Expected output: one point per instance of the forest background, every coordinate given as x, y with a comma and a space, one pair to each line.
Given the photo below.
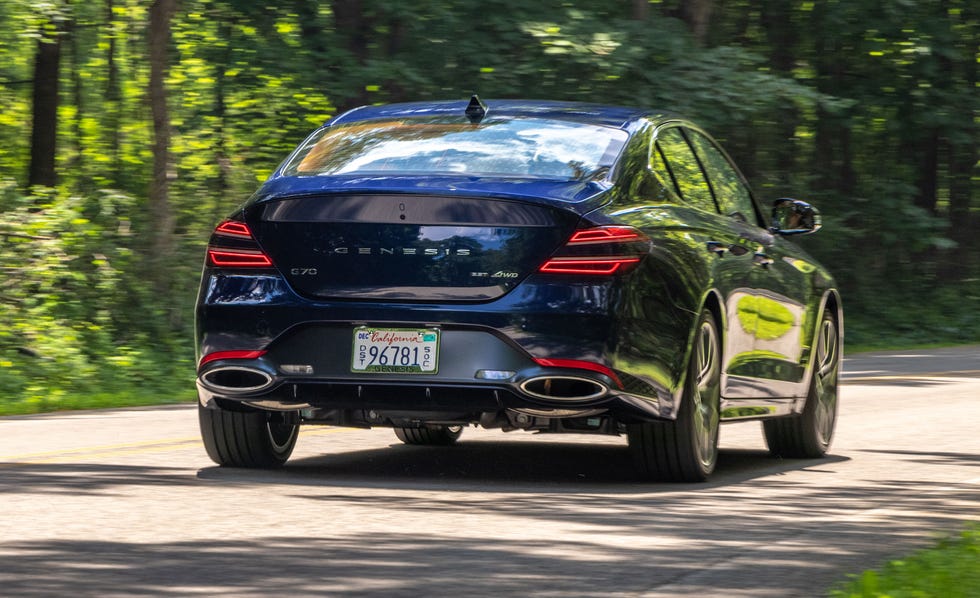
128, 128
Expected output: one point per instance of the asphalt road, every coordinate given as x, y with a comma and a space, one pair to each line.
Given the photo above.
125, 502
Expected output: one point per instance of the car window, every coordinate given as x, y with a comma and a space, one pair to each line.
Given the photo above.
681, 163
731, 192
529, 147
661, 170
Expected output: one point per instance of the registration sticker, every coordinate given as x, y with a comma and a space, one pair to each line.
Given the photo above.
395, 350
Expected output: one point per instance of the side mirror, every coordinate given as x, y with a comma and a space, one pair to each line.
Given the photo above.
794, 217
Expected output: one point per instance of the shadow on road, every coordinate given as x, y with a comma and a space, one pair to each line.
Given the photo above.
771, 537
476, 466
575, 522
77, 479
518, 467
968, 459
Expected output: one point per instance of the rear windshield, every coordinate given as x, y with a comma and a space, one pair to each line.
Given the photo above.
537, 148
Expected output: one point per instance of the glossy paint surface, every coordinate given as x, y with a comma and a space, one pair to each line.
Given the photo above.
464, 253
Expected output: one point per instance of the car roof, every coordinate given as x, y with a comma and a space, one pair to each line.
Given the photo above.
597, 114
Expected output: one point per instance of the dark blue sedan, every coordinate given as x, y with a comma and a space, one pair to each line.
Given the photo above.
539, 266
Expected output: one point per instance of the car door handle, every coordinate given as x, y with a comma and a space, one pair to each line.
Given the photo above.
761, 259
717, 248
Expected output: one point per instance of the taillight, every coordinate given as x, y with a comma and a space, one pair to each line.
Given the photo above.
580, 365
231, 355
601, 250
606, 234
238, 258
234, 228
233, 246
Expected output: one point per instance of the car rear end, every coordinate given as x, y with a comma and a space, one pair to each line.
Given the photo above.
421, 278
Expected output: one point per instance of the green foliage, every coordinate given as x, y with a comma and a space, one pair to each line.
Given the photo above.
16, 62
65, 261
867, 109
945, 315
951, 569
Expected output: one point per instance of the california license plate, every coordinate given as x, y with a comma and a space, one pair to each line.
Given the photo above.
396, 350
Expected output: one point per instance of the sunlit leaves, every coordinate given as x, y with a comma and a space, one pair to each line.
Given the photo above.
63, 264
247, 81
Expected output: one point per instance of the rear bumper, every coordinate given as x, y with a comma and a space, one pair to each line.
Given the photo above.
480, 371
544, 319
533, 333
465, 402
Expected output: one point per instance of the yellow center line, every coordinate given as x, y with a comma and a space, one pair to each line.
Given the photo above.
81, 456
129, 448
163, 442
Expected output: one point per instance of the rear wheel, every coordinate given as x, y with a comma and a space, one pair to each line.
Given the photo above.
686, 449
259, 439
808, 435
432, 436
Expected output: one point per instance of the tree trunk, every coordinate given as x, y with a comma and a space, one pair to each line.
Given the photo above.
44, 131
963, 157
777, 19
77, 158
161, 212
833, 160
311, 32
113, 96
697, 15
349, 21
927, 173
354, 29
641, 10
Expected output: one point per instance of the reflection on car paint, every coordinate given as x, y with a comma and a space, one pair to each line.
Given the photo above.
499, 232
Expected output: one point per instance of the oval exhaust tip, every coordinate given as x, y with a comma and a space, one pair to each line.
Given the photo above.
236, 379
563, 388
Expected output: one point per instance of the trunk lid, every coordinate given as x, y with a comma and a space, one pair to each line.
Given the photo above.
403, 247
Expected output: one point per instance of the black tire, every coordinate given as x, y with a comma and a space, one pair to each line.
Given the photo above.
431, 436
808, 435
686, 449
255, 439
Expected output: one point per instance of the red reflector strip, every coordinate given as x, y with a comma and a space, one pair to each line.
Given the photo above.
231, 355
241, 258
587, 265
580, 365
609, 234
234, 229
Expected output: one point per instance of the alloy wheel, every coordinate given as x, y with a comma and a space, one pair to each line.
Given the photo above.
705, 395
825, 380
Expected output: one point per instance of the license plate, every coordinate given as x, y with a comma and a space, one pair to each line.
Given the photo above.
395, 350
